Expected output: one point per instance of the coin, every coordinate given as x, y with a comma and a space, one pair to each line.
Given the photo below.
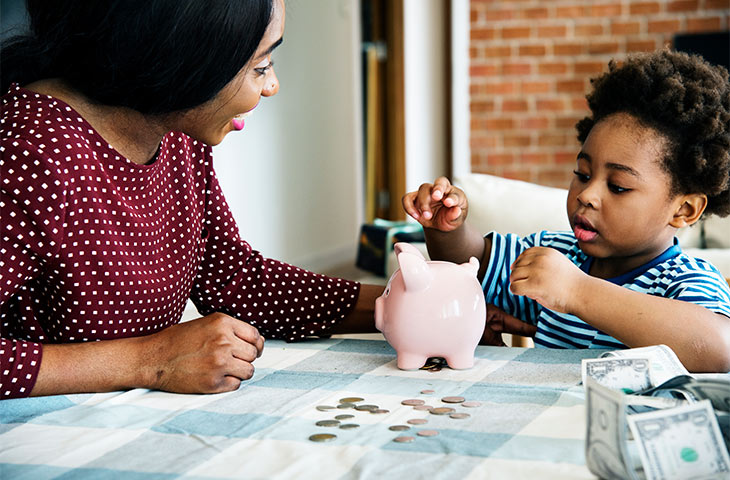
417, 421
427, 392
404, 439
328, 423
369, 408
378, 411
423, 407
441, 410
351, 400
428, 433
343, 406
349, 426
412, 402
322, 437
471, 404
399, 428
344, 416
323, 408
453, 399
459, 416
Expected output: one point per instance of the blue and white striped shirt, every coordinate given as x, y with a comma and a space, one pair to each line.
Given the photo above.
672, 274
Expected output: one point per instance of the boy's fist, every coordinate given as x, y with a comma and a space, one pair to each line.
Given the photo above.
440, 205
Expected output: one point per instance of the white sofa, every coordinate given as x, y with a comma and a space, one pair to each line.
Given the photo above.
512, 206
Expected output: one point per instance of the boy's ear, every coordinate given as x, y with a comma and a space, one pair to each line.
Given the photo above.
690, 210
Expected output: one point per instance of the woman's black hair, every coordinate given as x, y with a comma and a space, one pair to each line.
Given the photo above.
686, 100
153, 56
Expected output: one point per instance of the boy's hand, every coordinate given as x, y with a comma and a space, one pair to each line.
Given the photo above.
546, 276
499, 322
440, 205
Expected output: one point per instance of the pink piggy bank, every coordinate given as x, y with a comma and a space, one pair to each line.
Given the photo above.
431, 309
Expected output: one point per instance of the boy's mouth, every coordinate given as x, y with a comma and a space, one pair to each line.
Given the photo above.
583, 229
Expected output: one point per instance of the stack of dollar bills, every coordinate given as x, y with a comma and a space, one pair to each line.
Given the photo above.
648, 418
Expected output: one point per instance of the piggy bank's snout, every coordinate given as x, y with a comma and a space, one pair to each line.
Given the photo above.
379, 313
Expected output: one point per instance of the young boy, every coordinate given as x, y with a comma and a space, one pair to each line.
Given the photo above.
655, 156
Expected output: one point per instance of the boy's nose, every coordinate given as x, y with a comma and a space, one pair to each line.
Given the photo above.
589, 196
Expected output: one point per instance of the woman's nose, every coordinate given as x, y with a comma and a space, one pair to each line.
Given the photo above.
271, 87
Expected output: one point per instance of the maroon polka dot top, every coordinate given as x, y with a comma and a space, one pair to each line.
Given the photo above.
96, 247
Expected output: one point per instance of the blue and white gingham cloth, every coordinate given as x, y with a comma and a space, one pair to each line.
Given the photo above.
531, 423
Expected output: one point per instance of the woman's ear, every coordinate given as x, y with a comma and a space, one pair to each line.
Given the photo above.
689, 210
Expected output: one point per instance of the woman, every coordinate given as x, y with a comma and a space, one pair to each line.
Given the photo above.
112, 216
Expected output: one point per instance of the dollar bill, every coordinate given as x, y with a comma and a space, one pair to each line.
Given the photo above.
626, 374
680, 443
664, 362
606, 432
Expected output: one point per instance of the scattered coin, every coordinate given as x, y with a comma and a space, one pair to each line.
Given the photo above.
427, 392
349, 426
399, 428
369, 408
428, 433
404, 439
412, 402
471, 404
459, 416
379, 411
322, 437
328, 423
417, 421
323, 408
423, 407
351, 400
343, 406
442, 410
344, 416
453, 399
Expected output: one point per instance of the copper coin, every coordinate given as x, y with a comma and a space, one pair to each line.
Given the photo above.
471, 404
351, 400
459, 416
344, 416
442, 410
379, 411
417, 421
423, 407
399, 428
343, 406
427, 392
328, 423
322, 437
323, 408
428, 433
369, 408
349, 426
412, 402
453, 399
404, 439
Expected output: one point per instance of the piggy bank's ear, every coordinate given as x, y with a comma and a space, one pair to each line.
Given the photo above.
472, 266
407, 247
416, 273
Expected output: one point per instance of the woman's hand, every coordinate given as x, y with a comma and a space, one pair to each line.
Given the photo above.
499, 322
208, 355
546, 276
440, 205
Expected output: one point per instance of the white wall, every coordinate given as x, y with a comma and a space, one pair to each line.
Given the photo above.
460, 117
293, 175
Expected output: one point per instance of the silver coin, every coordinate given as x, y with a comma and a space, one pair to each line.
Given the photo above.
441, 410
453, 399
344, 416
351, 400
399, 428
328, 423
322, 437
471, 404
417, 421
412, 402
428, 433
404, 439
343, 406
427, 392
349, 426
424, 408
324, 408
459, 416
379, 411
368, 408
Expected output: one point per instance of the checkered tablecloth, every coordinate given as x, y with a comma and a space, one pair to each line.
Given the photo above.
531, 422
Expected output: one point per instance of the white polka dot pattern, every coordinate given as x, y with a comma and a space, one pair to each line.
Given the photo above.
95, 247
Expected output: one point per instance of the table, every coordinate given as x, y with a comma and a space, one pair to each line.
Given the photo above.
531, 422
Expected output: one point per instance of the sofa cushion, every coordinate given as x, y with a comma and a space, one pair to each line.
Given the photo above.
717, 232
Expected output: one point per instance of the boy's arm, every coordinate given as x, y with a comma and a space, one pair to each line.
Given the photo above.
459, 245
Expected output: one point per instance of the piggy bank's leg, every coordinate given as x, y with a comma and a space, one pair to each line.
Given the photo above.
410, 361
460, 361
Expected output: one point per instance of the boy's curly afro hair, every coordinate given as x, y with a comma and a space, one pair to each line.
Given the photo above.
685, 99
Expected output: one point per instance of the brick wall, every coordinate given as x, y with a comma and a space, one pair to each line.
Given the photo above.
531, 61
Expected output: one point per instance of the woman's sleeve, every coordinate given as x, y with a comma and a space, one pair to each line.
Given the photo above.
281, 300
32, 213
